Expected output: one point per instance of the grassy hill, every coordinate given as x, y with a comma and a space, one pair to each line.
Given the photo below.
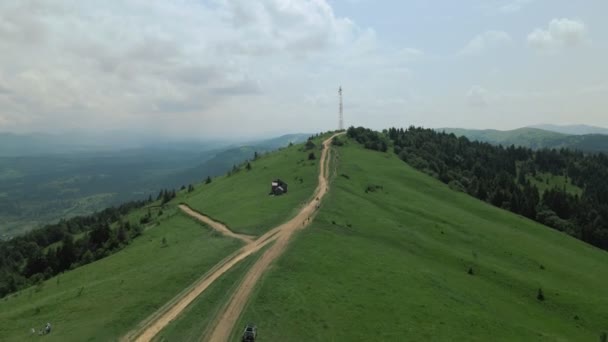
388, 259
535, 138
40, 189
103, 300
241, 200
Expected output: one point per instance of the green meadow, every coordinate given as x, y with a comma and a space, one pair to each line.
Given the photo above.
198, 317
105, 299
395, 255
241, 199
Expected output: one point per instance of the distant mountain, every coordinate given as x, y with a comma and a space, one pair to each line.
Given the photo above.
37, 144
282, 141
535, 138
572, 129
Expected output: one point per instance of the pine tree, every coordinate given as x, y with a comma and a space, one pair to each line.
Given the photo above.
540, 296
67, 253
167, 196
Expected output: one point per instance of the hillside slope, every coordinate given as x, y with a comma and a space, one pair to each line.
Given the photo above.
103, 300
108, 298
241, 199
389, 255
535, 138
42, 188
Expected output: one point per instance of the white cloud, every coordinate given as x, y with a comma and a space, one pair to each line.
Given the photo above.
477, 96
484, 41
298, 27
513, 6
68, 64
560, 33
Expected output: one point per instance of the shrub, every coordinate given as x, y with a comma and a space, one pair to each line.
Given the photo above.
540, 296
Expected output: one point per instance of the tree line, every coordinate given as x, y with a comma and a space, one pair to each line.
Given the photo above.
42, 253
500, 176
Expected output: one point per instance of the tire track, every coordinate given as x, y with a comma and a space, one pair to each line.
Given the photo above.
225, 322
281, 234
220, 227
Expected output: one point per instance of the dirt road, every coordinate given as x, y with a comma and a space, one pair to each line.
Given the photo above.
281, 234
227, 319
220, 227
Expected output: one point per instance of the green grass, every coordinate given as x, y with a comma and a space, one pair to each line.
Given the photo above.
546, 181
197, 317
391, 265
105, 299
242, 201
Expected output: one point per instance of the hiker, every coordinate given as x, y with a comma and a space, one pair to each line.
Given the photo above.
47, 329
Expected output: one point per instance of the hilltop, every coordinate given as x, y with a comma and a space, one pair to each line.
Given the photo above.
396, 255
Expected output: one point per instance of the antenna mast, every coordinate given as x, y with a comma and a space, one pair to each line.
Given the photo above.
341, 117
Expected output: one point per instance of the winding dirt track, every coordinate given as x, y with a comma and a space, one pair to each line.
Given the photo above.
226, 320
220, 227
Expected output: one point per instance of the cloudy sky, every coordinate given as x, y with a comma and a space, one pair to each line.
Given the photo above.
242, 67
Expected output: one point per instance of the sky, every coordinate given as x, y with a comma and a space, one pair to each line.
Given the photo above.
219, 68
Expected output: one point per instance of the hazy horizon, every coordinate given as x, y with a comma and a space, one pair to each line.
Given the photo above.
245, 70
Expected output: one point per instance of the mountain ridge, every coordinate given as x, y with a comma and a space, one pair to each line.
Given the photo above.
579, 129
534, 138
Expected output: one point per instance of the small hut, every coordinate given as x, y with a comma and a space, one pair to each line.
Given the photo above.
278, 187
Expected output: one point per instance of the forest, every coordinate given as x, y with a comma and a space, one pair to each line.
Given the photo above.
505, 176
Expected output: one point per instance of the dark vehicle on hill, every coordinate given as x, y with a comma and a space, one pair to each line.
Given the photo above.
250, 333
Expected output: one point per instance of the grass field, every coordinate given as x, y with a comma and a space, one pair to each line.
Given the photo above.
545, 181
105, 299
241, 200
391, 264
196, 319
